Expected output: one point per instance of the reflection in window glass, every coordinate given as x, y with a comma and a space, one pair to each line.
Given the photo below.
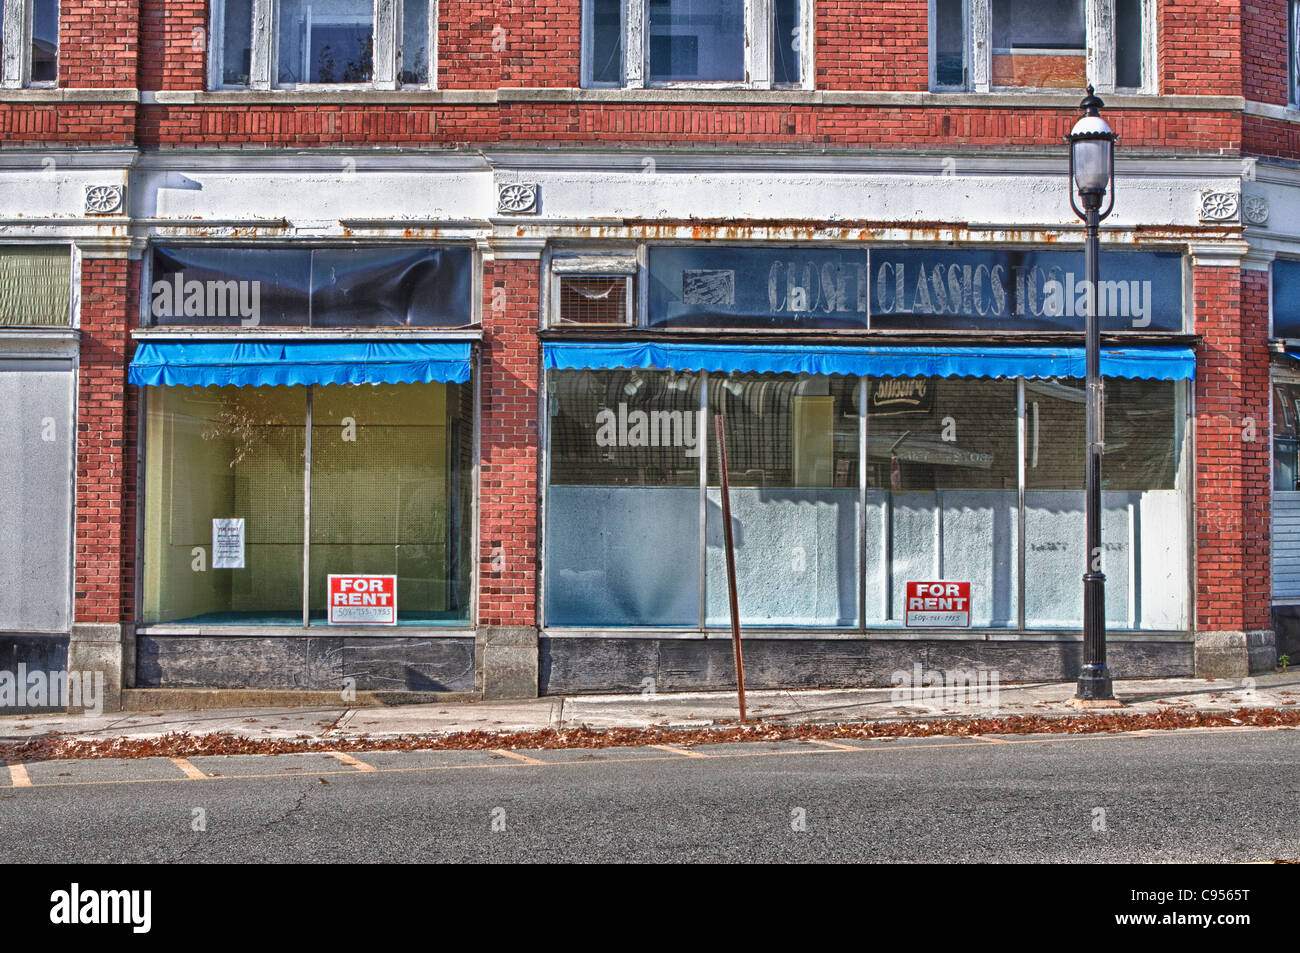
410, 514
792, 460
604, 29
415, 42
1144, 516
390, 472
1286, 412
949, 43
1039, 43
45, 41
622, 504
697, 40
325, 41
785, 42
236, 41
1129, 42
224, 453
942, 498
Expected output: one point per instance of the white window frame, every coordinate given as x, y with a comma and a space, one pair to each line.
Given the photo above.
758, 48
16, 59
1099, 19
1293, 54
263, 66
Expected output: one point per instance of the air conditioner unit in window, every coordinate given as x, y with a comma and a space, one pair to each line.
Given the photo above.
599, 300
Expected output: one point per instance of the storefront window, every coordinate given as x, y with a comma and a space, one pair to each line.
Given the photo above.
623, 506
942, 500
1144, 517
792, 460
389, 468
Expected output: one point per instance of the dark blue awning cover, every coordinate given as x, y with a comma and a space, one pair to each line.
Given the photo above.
1148, 363
270, 363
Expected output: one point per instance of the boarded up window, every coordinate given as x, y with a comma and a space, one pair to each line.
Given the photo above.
34, 286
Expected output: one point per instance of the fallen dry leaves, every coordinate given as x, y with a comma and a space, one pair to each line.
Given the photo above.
179, 745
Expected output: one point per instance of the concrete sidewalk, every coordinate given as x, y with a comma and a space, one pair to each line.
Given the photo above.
1278, 690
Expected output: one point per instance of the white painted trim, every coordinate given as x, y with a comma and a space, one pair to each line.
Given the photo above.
635, 43
386, 41
1099, 37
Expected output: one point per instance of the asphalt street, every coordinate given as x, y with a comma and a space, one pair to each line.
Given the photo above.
1203, 795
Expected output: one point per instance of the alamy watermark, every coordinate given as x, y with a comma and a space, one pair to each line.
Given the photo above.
176, 298
953, 687
655, 428
58, 689
1114, 299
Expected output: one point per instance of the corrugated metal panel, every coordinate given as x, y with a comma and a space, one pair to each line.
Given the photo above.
1286, 544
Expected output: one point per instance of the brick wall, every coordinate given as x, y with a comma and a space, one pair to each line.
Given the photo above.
884, 45
1264, 51
1232, 451
1199, 47
98, 43
508, 463
105, 520
173, 44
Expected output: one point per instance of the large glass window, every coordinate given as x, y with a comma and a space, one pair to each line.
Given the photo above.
1144, 516
263, 43
325, 41
1040, 44
942, 500
792, 462
758, 43
623, 504
697, 41
970, 480
389, 469
384, 286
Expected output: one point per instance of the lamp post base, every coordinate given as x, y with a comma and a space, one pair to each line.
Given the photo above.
1077, 702
1095, 689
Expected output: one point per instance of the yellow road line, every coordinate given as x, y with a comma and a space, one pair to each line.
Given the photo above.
18, 776
191, 772
518, 757
832, 744
351, 761
684, 752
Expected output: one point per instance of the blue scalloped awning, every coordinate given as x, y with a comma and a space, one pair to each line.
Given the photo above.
271, 363
1148, 363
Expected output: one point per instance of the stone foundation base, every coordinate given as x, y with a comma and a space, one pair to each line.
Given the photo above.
507, 661
1235, 654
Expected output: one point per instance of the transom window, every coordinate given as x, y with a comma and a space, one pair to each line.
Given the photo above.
29, 36
383, 44
636, 43
1041, 44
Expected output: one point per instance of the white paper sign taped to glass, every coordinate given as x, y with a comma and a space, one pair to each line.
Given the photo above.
938, 605
362, 600
228, 544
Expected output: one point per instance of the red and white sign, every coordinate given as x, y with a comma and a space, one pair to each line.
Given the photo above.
938, 605
362, 600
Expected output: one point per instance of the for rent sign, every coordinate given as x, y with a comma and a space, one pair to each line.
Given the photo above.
362, 600
938, 605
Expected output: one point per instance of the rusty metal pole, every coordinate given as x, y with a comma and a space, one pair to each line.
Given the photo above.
720, 424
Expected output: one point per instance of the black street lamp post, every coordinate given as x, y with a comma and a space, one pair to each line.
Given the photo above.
1092, 171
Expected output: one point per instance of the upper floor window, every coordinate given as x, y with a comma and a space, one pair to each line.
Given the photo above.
35, 286
29, 36
748, 43
384, 44
1041, 44
1293, 53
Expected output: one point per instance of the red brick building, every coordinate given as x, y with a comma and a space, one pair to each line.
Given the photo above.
554, 240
